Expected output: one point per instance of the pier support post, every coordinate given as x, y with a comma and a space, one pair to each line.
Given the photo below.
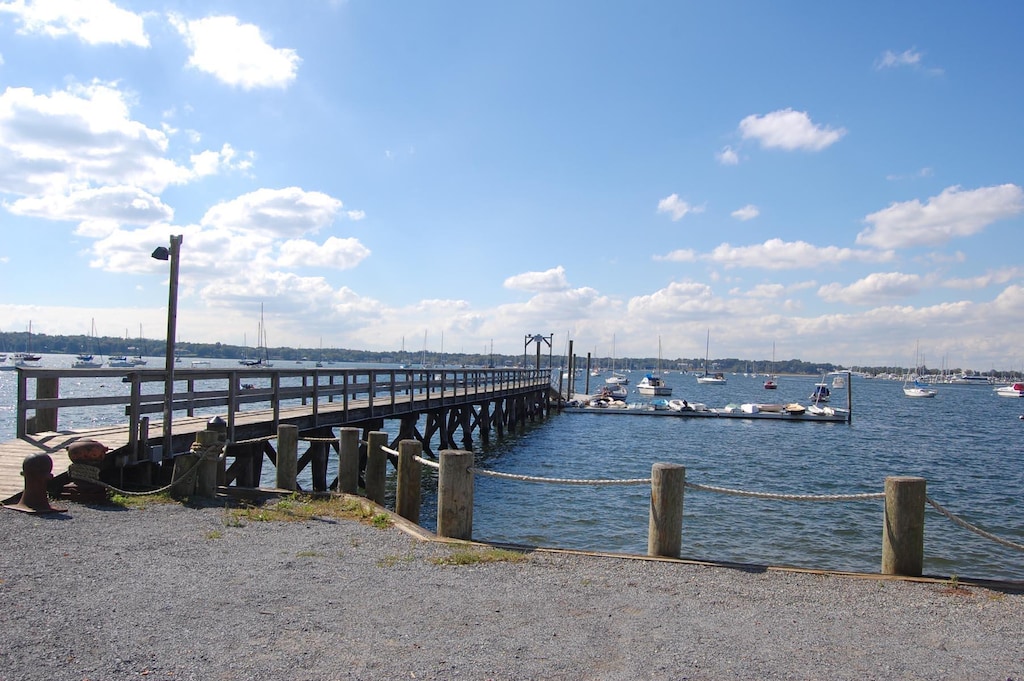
348, 460
209, 444
903, 529
184, 475
665, 528
455, 495
287, 457
407, 500
376, 466
45, 420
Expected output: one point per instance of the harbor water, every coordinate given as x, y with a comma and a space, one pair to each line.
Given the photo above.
964, 442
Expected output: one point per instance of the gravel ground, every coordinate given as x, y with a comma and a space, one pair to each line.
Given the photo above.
171, 592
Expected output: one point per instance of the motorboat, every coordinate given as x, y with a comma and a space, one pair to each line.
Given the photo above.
1015, 390
617, 379
653, 385
615, 392
821, 393
683, 405
770, 385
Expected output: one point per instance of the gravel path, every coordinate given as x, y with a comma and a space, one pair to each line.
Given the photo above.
169, 592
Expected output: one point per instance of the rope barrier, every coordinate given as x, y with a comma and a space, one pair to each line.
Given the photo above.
786, 497
561, 481
160, 490
973, 528
319, 439
427, 462
265, 438
388, 450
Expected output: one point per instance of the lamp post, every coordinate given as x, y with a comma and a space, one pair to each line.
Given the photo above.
163, 253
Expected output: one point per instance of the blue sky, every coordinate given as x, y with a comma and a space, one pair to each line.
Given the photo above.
842, 182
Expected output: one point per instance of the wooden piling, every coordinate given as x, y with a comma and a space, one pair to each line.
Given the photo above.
287, 457
665, 527
376, 466
903, 529
206, 478
45, 420
348, 460
455, 494
184, 475
407, 500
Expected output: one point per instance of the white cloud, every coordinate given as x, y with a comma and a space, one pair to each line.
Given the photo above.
676, 207
776, 254
728, 156
338, 253
288, 212
953, 213
678, 255
999, 276
355, 215
890, 59
677, 300
122, 204
789, 130
748, 212
539, 282
235, 53
62, 142
94, 22
873, 289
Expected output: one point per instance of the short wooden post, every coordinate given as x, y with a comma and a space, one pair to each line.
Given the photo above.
45, 420
184, 475
206, 480
287, 457
376, 466
665, 527
455, 494
407, 500
903, 529
348, 460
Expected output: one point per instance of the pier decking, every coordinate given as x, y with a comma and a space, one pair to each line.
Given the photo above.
254, 402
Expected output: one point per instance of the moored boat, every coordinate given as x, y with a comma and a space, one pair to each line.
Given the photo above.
1015, 390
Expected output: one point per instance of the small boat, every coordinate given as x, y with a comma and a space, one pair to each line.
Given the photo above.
794, 408
120, 361
653, 385
710, 379
770, 384
659, 403
918, 389
770, 408
821, 393
615, 392
1015, 390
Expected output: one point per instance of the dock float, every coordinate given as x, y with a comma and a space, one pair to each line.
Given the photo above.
836, 415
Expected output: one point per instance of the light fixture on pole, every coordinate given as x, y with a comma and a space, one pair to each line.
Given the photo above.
163, 253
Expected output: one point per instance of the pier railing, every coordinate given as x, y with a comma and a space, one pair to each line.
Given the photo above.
135, 394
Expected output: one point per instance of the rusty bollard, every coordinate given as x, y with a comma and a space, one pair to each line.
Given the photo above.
37, 471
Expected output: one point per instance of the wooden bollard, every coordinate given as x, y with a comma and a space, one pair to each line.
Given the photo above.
206, 475
455, 494
45, 420
665, 528
376, 466
407, 500
348, 460
287, 457
903, 529
184, 475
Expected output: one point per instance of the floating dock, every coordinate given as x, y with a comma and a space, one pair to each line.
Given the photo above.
837, 415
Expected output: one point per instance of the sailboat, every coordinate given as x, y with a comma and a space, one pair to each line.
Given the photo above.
262, 354
27, 358
770, 384
616, 378
85, 359
653, 384
712, 379
915, 388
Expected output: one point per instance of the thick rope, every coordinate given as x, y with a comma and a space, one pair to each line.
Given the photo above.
427, 462
787, 497
319, 439
973, 528
265, 438
561, 481
160, 490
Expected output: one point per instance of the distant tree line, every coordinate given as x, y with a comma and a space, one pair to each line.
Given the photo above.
17, 341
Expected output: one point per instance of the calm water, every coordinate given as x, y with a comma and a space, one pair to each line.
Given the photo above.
963, 442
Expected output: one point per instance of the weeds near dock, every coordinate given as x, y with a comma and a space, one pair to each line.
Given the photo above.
475, 556
141, 501
954, 588
296, 508
390, 561
214, 534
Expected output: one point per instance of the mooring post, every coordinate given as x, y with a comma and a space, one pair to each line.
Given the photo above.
287, 457
45, 420
407, 495
903, 529
348, 460
376, 466
665, 528
209, 446
455, 494
184, 475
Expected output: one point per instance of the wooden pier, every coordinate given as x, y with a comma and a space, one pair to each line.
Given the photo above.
253, 403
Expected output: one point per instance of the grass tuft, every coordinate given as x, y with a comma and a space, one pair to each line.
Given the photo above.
475, 556
297, 508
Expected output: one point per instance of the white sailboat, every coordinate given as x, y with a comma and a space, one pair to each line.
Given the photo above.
262, 354
616, 378
717, 378
653, 384
770, 384
915, 388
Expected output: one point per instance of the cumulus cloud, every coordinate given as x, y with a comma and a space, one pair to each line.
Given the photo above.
120, 204
288, 212
539, 282
748, 212
85, 136
776, 254
873, 289
338, 253
677, 208
728, 156
235, 53
678, 299
789, 130
678, 255
989, 278
94, 22
952, 214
